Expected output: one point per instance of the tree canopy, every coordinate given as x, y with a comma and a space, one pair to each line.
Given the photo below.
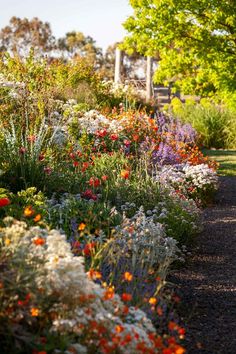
76, 44
22, 34
194, 39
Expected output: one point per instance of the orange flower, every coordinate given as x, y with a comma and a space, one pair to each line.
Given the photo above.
135, 137
37, 218
94, 274
128, 276
125, 174
179, 350
34, 311
152, 301
109, 294
28, 211
126, 297
119, 328
81, 226
39, 241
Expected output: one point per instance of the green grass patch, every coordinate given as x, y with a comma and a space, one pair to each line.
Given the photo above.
226, 159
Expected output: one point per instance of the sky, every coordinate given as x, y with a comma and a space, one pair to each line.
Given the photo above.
100, 19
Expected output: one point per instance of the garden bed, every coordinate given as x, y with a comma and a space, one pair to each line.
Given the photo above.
95, 210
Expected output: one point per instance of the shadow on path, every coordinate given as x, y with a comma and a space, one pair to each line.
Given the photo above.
207, 283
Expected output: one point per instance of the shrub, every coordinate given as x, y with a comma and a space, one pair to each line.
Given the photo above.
214, 123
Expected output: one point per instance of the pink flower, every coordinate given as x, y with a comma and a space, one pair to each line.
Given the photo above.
127, 142
48, 170
22, 150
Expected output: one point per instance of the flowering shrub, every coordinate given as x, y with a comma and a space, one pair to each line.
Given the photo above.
139, 246
120, 192
196, 182
55, 291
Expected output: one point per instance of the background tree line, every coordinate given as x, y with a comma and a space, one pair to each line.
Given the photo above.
21, 35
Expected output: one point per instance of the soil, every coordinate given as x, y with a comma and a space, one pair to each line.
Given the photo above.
207, 282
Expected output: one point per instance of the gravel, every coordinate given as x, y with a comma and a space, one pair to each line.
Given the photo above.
207, 282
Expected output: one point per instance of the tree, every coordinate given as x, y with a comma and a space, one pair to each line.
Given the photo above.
76, 44
195, 40
133, 66
23, 34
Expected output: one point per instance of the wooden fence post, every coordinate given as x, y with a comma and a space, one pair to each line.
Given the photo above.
118, 64
149, 79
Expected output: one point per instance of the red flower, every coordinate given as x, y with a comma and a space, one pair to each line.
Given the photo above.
126, 297
88, 248
114, 137
41, 157
104, 178
76, 244
101, 133
75, 163
94, 182
4, 202
85, 165
88, 194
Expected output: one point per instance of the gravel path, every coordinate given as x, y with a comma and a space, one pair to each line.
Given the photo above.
207, 283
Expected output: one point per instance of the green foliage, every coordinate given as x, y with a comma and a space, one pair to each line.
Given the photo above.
215, 124
71, 211
226, 160
139, 189
21, 200
195, 41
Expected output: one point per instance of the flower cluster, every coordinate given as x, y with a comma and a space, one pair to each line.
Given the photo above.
189, 181
91, 316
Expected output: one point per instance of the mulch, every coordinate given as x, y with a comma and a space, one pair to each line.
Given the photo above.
207, 282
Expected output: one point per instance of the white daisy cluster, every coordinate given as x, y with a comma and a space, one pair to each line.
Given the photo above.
201, 175
79, 301
93, 121
186, 177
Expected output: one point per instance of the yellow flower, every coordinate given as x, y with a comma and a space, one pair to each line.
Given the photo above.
7, 241
28, 211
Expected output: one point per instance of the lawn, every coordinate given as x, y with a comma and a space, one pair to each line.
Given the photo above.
226, 159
